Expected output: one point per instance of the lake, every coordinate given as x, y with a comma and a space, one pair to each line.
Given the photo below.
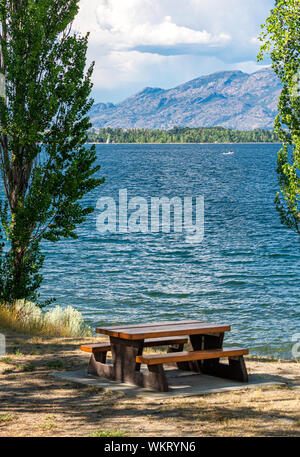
244, 272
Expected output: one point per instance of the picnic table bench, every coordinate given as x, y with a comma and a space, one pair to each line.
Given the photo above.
128, 341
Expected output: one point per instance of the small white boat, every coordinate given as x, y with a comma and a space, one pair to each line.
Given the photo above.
229, 153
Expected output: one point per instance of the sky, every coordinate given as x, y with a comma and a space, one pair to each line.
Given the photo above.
163, 43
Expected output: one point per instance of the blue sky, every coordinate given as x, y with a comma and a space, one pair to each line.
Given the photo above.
162, 43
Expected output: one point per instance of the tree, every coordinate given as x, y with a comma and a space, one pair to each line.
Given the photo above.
46, 168
281, 39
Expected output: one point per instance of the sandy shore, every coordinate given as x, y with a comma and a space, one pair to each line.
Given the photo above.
32, 403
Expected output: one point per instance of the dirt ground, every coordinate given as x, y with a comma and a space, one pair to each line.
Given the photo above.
32, 403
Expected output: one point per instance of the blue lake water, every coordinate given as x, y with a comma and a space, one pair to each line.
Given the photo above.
245, 271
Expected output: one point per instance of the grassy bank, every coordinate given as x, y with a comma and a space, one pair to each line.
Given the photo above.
28, 318
32, 403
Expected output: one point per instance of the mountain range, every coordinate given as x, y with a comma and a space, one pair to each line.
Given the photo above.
229, 99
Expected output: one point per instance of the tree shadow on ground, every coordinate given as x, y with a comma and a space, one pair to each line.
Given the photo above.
89, 405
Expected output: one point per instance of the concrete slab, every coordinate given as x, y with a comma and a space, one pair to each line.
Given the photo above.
182, 384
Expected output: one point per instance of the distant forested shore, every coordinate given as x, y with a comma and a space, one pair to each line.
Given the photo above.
181, 135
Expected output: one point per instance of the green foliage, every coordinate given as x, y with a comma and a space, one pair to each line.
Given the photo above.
29, 367
107, 433
45, 165
5, 360
281, 39
6, 417
182, 135
55, 364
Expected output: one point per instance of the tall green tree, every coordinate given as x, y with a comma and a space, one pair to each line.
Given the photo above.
281, 39
46, 168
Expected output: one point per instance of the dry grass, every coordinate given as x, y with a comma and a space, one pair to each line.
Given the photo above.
27, 318
34, 404
10, 320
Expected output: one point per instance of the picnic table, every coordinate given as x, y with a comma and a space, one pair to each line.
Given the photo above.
128, 341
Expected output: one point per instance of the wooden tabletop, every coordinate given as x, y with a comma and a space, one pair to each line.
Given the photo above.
161, 329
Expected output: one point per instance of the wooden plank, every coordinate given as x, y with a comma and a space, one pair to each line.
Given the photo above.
119, 328
150, 342
172, 329
98, 347
176, 330
151, 324
186, 356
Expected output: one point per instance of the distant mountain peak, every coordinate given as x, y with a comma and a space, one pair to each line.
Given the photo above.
226, 98
150, 90
147, 91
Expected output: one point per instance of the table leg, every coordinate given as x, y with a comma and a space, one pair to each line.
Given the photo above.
126, 369
98, 367
179, 348
236, 369
201, 342
124, 354
156, 378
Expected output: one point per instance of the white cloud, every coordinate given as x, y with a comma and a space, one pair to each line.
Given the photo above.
164, 42
167, 33
119, 68
125, 25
